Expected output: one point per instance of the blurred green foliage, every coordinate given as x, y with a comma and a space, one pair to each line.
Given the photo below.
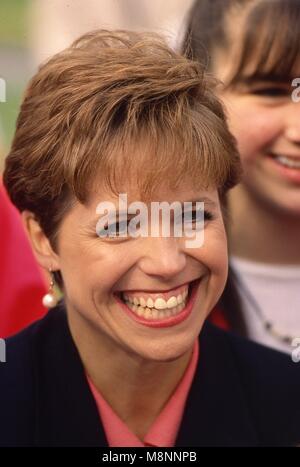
13, 39
9, 111
13, 22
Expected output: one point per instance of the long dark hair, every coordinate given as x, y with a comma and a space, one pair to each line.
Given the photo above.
270, 37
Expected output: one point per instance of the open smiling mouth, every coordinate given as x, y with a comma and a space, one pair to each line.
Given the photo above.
290, 162
159, 309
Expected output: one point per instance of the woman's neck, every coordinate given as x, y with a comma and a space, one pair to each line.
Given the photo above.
136, 389
261, 233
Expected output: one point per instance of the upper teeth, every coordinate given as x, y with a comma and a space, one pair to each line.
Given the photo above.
288, 161
159, 303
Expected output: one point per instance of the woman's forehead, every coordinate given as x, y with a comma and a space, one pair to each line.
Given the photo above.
154, 175
129, 193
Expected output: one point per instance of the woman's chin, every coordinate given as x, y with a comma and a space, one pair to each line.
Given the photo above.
169, 352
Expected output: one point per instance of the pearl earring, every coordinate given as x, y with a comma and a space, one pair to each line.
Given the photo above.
49, 300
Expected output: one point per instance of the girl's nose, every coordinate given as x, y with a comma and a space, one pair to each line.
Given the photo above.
163, 257
292, 131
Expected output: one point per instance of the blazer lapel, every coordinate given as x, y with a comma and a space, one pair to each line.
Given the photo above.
66, 412
216, 411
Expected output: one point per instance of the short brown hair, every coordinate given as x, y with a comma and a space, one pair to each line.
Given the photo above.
107, 94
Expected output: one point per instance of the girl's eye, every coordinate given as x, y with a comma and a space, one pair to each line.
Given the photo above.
271, 92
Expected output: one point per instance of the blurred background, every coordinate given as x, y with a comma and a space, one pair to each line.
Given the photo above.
33, 30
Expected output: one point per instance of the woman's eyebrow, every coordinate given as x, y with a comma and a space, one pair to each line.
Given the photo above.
119, 215
204, 200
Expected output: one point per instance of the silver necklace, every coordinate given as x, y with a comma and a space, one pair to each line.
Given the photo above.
268, 325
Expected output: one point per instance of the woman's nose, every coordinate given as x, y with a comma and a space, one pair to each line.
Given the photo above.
163, 257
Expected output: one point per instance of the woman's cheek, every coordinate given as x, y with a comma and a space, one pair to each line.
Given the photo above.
215, 252
215, 257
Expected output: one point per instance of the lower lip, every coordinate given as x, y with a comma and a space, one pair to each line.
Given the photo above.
293, 175
168, 322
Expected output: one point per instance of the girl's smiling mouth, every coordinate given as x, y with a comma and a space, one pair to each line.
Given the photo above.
286, 165
159, 309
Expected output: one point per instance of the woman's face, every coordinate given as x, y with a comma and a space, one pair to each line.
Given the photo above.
102, 276
266, 123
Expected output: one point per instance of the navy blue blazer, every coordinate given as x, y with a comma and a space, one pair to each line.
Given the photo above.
243, 394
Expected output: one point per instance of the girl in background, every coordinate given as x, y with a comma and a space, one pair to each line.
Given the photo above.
253, 47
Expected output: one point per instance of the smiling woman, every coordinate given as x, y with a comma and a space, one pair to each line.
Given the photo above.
117, 362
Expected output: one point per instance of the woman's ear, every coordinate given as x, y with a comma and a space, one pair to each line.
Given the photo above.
42, 249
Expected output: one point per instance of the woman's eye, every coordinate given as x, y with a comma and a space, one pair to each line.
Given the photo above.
115, 230
122, 228
197, 215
